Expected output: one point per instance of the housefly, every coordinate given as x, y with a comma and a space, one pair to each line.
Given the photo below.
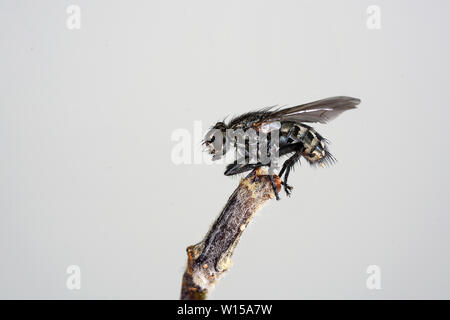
294, 138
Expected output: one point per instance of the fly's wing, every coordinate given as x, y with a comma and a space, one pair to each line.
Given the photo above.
321, 111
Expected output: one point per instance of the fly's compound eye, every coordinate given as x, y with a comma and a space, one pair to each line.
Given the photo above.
209, 141
214, 141
210, 145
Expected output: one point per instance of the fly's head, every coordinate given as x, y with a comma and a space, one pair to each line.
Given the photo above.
214, 140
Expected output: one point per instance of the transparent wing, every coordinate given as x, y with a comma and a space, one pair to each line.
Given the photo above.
321, 111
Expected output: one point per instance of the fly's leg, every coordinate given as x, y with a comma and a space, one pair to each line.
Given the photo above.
287, 188
287, 166
274, 187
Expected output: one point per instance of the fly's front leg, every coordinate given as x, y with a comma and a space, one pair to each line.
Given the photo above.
274, 186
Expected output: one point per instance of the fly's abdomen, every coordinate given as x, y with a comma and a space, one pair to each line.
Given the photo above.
314, 148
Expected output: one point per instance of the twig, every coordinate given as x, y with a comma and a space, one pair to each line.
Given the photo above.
209, 259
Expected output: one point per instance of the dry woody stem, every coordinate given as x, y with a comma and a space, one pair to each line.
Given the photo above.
209, 259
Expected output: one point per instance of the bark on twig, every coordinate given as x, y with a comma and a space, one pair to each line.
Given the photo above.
209, 259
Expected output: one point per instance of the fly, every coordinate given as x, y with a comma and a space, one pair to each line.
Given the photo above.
295, 138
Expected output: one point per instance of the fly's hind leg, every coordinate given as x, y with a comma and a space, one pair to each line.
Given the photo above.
286, 169
287, 188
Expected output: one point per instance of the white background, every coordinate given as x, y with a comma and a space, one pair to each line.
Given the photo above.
86, 118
